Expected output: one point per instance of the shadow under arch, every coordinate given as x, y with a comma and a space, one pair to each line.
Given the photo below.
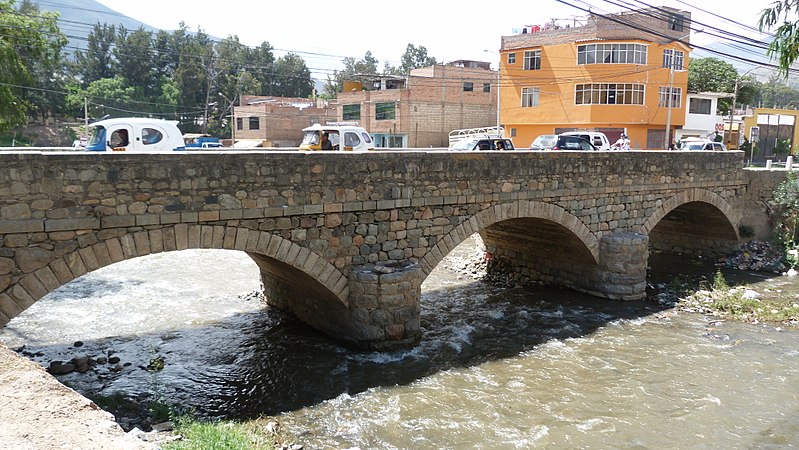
695, 221
274, 255
548, 241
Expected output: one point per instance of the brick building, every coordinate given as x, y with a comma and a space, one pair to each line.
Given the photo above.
278, 121
615, 73
421, 110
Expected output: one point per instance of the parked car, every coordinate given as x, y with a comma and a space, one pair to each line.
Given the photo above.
345, 136
135, 134
596, 138
569, 142
701, 144
483, 143
544, 142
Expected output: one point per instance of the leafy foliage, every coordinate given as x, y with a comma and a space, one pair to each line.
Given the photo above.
785, 46
784, 205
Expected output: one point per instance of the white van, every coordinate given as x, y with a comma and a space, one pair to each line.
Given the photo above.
343, 136
135, 134
596, 138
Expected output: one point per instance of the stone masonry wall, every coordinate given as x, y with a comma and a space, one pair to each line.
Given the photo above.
325, 215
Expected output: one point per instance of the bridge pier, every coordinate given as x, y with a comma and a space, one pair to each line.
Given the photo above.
617, 272
621, 272
383, 310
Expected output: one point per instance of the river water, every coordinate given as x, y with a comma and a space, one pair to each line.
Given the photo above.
496, 368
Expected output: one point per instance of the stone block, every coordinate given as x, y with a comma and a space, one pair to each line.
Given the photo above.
194, 236
208, 216
101, 254
128, 246
33, 286
181, 236
8, 309
147, 219
229, 239
88, 223
29, 259
61, 271
115, 251
21, 226
241, 238
206, 236
89, 259
75, 264
156, 238
142, 242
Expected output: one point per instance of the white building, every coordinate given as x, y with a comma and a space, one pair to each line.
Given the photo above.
701, 116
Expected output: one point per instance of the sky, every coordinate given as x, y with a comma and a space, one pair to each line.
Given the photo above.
323, 33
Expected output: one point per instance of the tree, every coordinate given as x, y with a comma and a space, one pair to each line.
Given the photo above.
292, 77
134, 58
25, 41
415, 57
785, 45
353, 70
715, 75
97, 61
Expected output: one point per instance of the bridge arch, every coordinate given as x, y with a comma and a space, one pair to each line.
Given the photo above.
273, 254
519, 209
694, 220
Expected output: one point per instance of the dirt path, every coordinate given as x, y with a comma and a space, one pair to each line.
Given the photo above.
39, 413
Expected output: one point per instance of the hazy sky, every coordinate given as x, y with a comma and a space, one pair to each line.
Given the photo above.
325, 32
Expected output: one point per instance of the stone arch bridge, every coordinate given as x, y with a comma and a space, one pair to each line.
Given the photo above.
344, 241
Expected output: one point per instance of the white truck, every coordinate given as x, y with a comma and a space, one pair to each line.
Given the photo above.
135, 134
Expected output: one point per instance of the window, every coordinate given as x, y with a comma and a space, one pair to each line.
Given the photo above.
511, 58
673, 99
530, 97
513, 132
676, 22
699, 106
255, 124
468, 86
351, 139
532, 59
385, 111
151, 136
351, 112
486, 87
239, 123
609, 94
673, 59
611, 54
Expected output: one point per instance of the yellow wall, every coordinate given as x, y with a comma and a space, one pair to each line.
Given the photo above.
751, 121
560, 73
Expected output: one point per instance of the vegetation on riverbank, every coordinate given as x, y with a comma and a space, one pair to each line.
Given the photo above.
740, 303
195, 434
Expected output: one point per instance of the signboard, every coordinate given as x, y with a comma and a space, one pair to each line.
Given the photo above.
719, 127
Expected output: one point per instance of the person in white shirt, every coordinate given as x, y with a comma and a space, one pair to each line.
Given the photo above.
623, 143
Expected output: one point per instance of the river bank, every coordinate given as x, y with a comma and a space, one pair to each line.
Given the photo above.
466, 266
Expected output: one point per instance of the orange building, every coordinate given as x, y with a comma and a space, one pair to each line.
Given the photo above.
614, 73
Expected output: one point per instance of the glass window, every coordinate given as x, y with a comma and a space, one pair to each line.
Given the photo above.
151, 136
699, 106
351, 112
486, 87
511, 58
255, 124
609, 94
351, 139
611, 54
532, 59
673, 100
468, 86
530, 97
239, 123
385, 111
676, 22
366, 137
673, 59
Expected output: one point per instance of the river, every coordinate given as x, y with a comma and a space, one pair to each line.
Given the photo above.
496, 368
